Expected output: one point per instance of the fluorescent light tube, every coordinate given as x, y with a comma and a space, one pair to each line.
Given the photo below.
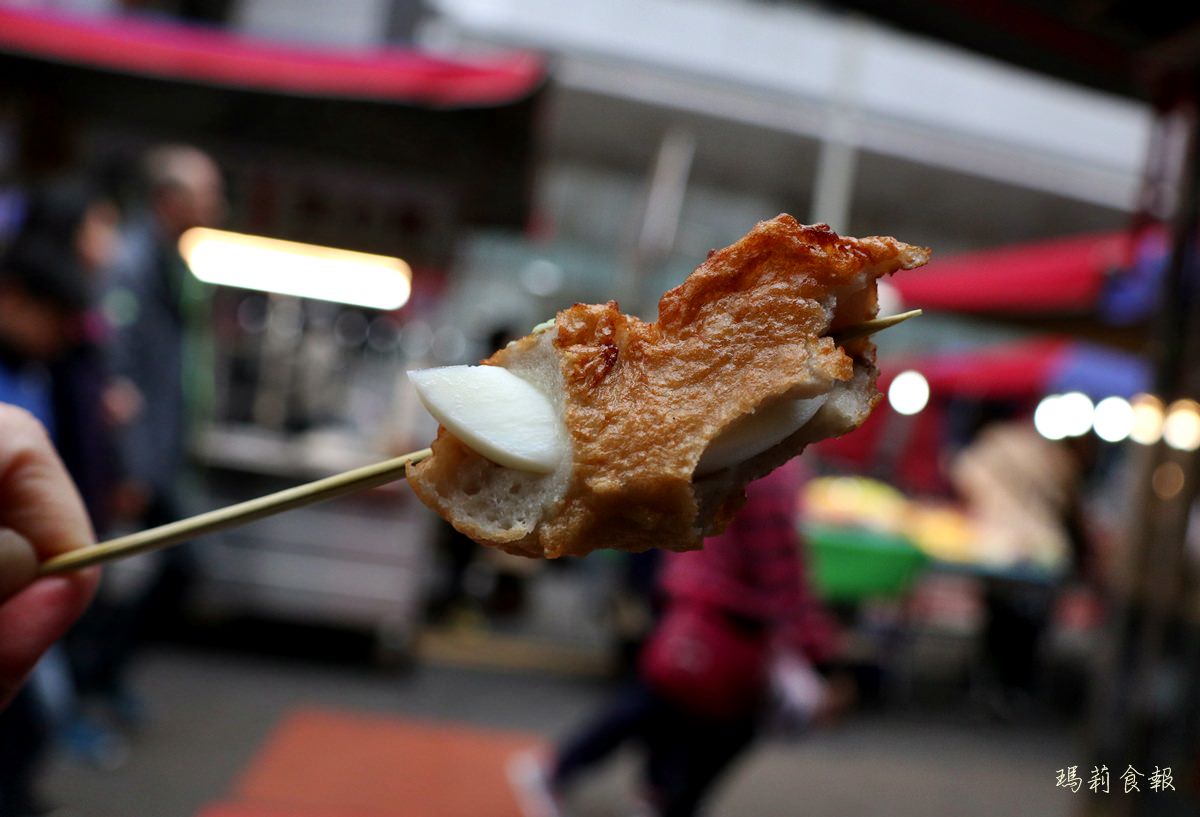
292, 268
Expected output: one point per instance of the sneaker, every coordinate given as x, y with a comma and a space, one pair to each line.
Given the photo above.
529, 776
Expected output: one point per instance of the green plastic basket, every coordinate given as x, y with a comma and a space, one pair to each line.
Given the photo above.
849, 564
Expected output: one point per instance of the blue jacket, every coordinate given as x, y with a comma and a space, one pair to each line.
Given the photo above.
144, 304
27, 386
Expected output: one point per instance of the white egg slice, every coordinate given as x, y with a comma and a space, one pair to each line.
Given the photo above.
754, 433
495, 413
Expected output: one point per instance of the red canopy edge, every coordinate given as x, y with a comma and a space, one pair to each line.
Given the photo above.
1064, 275
187, 53
1009, 371
1020, 371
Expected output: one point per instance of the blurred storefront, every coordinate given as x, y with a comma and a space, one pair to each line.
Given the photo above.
506, 158
521, 156
391, 153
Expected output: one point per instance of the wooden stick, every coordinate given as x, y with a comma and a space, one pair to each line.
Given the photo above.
861, 330
370, 476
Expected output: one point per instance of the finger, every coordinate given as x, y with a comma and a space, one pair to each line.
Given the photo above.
34, 619
18, 563
37, 498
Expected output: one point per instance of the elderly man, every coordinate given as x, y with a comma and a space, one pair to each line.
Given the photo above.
151, 303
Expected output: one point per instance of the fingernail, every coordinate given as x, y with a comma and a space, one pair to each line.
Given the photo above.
18, 563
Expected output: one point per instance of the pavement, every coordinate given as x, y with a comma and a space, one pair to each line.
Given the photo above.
212, 711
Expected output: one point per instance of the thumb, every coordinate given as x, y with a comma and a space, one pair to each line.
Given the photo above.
18, 563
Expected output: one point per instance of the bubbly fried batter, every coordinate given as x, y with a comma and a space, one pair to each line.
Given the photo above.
642, 400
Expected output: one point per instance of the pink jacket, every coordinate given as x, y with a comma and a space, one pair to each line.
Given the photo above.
755, 569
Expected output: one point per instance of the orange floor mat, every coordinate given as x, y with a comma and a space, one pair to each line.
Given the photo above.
253, 810
320, 763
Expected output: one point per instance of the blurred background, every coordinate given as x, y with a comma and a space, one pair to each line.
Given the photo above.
230, 226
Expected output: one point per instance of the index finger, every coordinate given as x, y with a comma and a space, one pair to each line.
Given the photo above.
37, 498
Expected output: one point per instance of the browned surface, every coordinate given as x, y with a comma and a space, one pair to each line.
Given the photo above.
643, 400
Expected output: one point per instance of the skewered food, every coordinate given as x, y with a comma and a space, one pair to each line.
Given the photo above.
602, 430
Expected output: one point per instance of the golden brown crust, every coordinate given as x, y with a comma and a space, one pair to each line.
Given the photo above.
643, 400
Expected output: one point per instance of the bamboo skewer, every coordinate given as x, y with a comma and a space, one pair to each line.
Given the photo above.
861, 330
370, 476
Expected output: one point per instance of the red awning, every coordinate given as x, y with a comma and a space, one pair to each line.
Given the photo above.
208, 56
909, 446
1012, 371
1061, 276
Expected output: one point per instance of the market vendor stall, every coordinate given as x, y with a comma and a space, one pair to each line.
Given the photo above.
391, 152
457, 135
867, 540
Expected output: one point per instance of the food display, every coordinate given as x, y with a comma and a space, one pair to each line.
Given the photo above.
855, 502
600, 430
944, 532
865, 535
939, 529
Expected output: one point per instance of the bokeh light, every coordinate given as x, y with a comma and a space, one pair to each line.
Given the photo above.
1147, 419
909, 392
1167, 480
1049, 419
1181, 428
1077, 412
1113, 419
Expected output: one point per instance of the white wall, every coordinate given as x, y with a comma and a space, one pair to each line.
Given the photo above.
87, 7
820, 74
347, 23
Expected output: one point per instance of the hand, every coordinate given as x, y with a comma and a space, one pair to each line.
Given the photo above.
41, 515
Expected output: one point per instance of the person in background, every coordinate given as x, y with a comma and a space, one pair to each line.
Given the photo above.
42, 296
76, 227
1024, 493
149, 303
731, 610
77, 220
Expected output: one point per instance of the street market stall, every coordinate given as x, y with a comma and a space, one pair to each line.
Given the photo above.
391, 152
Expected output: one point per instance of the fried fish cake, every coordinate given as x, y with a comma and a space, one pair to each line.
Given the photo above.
745, 336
